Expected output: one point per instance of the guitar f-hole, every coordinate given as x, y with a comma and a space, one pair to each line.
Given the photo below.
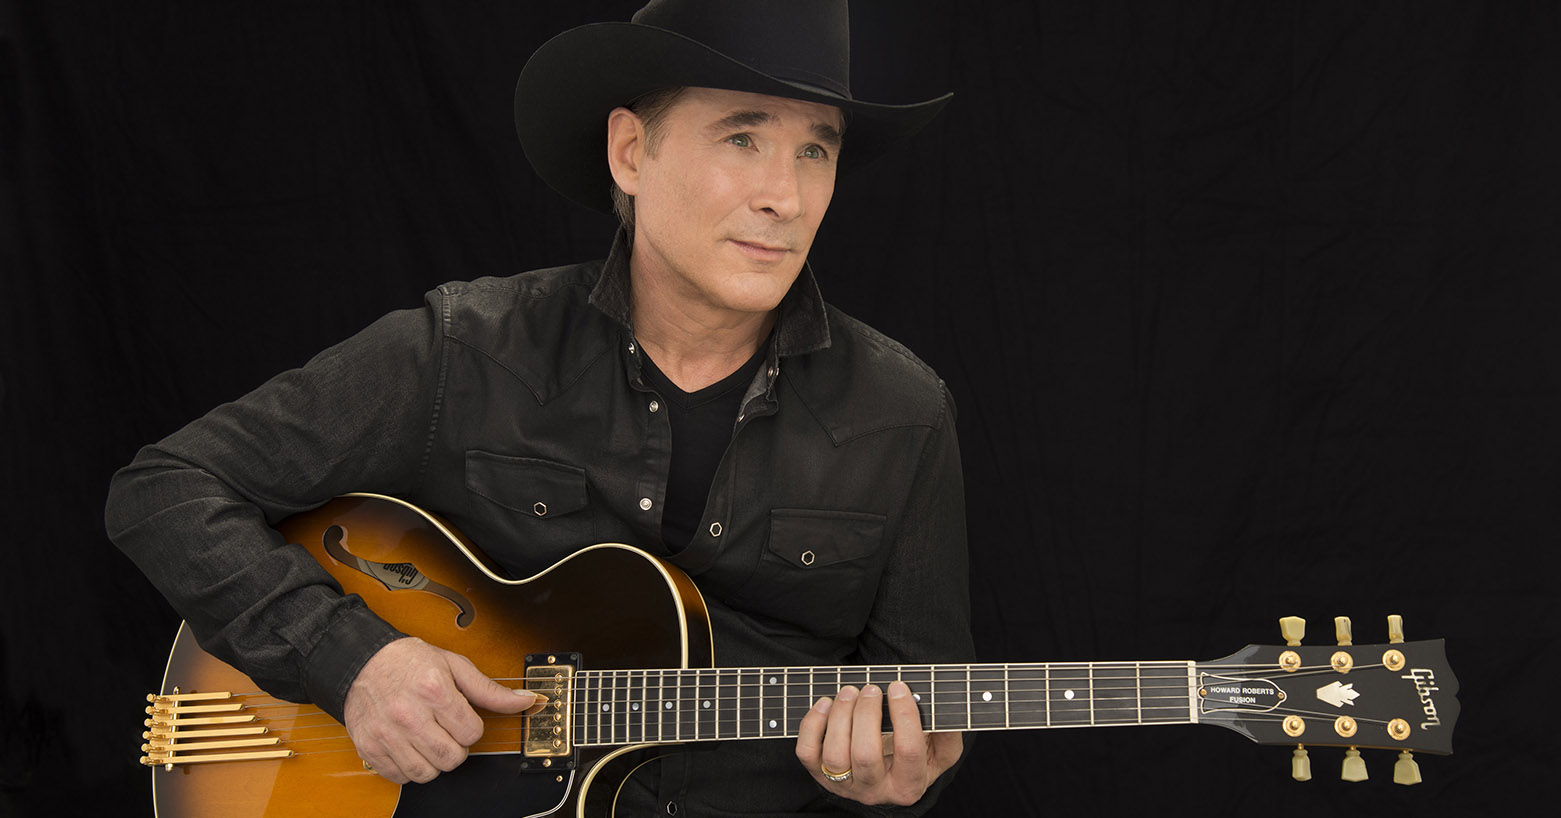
396, 576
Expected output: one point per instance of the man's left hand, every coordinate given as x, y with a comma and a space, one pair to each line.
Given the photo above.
846, 736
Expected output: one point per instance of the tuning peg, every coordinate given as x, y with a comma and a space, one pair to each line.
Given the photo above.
1354, 766
1406, 771
1292, 628
1395, 629
1300, 765
1341, 629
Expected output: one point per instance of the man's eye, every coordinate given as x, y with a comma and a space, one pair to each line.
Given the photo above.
813, 152
742, 140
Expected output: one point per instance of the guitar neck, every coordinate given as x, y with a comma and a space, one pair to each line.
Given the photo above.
616, 707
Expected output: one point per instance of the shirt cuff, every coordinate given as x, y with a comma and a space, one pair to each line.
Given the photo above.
349, 641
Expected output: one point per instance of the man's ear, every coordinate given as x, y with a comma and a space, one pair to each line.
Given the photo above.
625, 148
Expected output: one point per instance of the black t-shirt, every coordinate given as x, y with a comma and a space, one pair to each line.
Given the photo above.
701, 427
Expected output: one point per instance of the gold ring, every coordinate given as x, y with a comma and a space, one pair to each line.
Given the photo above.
832, 775
368, 767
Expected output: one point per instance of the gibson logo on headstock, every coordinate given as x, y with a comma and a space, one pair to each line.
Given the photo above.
1425, 685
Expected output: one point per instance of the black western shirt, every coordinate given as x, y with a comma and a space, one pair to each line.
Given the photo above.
833, 534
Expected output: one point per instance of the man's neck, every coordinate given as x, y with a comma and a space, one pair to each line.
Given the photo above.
693, 344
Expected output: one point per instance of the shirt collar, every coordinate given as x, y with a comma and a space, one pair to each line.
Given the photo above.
802, 327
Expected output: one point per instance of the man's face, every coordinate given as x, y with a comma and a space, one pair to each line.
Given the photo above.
730, 195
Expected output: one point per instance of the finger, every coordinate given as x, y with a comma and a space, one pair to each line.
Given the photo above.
400, 763
836, 752
867, 761
484, 692
910, 740
810, 735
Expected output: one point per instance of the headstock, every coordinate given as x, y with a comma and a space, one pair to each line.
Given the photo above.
1396, 696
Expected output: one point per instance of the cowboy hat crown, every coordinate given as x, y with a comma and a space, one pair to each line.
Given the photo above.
799, 49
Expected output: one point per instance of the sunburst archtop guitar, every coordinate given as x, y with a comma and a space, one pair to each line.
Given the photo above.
620, 643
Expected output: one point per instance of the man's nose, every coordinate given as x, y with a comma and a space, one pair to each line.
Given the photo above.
778, 193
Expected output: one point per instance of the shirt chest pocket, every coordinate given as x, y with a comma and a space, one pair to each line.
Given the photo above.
819, 570
544, 503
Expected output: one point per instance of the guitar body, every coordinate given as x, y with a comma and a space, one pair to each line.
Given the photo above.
615, 606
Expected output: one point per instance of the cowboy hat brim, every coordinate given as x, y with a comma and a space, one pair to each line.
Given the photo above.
574, 80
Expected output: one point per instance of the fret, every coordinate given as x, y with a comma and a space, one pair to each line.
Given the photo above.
686, 689
639, 706
1116, 694
579, 716
919, 680
799, 696
1068, 696
951, 689
1028, 704
988, 701
610, 707
750, 698
709, 696
596, 713
620, 709
1166, 691
772, 703
728, 712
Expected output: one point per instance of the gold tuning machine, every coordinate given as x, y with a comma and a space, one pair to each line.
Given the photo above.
1406, 771
1395, 629
1354, 766
1341, 629
1300, 765
1293, 629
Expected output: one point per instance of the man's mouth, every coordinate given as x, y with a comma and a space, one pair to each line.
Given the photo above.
761, 251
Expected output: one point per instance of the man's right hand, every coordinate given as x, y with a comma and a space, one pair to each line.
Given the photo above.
409, 711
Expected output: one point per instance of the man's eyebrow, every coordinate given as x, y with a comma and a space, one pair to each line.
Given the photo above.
743, 119
828, 134
737, 120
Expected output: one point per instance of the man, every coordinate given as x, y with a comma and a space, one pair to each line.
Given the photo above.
691, 395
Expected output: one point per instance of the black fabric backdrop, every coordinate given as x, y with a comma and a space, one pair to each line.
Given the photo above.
1250, 310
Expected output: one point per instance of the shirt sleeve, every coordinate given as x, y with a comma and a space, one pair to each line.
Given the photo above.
195, 510
922, 611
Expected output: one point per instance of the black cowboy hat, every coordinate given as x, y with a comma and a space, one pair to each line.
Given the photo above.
799, 49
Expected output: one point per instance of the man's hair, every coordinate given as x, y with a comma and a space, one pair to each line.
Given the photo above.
652, 108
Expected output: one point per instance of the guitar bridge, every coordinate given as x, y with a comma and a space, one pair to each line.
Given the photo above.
548, 734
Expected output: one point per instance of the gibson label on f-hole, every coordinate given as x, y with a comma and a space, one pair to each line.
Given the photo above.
1425, 685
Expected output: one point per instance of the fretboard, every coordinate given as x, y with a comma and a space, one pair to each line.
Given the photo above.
652, 706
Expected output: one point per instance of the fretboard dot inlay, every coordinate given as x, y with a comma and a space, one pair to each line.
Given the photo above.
774, 724
669, 705
773, 680
606, 708
987, 696
1068, 694
707, 705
